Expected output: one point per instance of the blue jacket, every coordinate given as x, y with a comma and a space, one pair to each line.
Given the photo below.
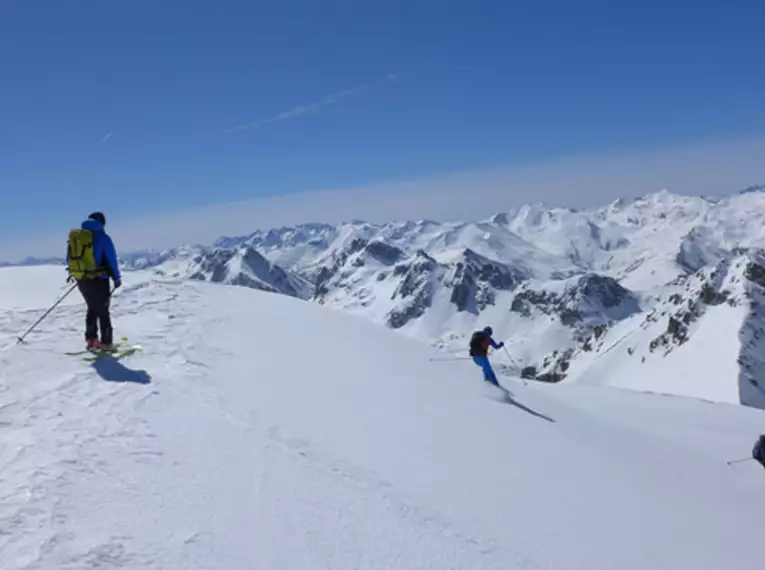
103, 249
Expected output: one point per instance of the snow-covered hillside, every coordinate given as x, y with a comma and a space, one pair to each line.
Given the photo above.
705, 337
260, 431
639, 241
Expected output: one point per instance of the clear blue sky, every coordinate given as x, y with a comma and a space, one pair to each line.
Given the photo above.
149, 106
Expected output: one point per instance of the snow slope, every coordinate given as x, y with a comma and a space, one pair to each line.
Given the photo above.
24, 287
704, 338
259, 431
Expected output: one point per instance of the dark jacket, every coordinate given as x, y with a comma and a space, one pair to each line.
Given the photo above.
758, 452
480, 343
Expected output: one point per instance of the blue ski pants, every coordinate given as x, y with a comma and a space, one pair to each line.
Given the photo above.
488, 372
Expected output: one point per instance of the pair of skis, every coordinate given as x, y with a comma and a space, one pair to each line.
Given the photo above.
118, 350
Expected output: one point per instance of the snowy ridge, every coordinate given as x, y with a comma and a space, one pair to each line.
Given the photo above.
287, 246
645, 243
167, 262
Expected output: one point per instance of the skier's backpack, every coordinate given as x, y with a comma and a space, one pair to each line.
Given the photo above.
758, 453
82, 261
478, 344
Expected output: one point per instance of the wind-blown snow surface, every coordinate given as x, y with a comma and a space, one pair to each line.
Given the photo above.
259, 431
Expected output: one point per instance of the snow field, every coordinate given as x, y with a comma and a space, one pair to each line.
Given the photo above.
259, 431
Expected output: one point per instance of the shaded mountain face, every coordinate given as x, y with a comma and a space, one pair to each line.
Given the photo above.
573, 314
588, 299
419, 279
245, 267
474, 281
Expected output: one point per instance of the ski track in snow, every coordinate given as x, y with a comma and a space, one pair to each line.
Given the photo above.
214, 458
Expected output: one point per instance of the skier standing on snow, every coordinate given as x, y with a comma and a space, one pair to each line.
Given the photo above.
91, 260
479, 350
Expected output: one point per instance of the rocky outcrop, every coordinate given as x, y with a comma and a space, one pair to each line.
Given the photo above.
415, 291
709, 287
475, 279
752, 334
346, 263
555, 366
588, 305
755, 273
244, 266
589, 299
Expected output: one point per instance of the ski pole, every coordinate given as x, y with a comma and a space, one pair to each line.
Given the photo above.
740, 460
508, 356
56, 304
514, 364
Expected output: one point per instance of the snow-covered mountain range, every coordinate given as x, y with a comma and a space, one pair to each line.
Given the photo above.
627, 285
323, 440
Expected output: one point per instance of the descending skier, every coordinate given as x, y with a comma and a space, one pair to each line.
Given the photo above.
91, 260
479, 350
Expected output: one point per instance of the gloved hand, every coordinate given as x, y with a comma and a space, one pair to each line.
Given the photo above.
501, 345
117, 284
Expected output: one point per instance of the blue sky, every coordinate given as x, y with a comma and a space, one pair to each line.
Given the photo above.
149, 108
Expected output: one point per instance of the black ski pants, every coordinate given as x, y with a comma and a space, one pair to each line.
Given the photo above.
97, 297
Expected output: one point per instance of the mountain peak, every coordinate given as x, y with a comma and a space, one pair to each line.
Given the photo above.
752, 189
500, 219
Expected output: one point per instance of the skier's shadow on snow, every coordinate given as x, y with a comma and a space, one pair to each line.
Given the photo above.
112, 370
507, 398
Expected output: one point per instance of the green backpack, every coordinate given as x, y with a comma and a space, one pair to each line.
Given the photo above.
82, 262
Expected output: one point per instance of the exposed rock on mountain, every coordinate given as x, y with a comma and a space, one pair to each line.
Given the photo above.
246, 267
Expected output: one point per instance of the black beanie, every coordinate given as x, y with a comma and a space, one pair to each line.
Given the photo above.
99, 217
